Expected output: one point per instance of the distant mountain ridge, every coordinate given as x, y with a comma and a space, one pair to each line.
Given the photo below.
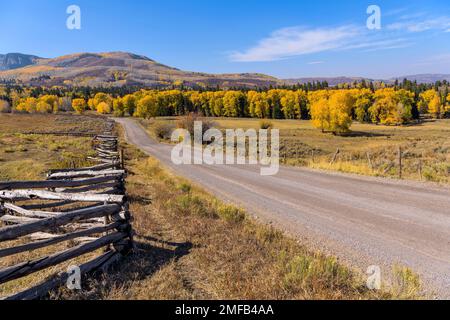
424, 78
124, 68
12, 61
332, 81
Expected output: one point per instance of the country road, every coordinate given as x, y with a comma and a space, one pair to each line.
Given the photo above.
363, 221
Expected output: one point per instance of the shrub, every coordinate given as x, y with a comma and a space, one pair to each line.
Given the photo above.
230, 213
187, 204
4, 106
265, 124
187, 122
79, 105
310, 272
44, 107
406, 284
163, 130
103, 108
185, 187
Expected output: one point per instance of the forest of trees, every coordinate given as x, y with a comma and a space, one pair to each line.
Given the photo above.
330, 109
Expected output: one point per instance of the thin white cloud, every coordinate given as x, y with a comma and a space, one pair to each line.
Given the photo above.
395, 12
316, 62
439, 23
375, 44
413, 15
296, 41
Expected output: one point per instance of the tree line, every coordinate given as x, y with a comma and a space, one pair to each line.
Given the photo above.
330, 109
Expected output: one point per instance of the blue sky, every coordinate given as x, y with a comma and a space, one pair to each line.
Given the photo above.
290, 38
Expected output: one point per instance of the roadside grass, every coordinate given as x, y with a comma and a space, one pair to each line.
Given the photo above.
190, 245
367, 150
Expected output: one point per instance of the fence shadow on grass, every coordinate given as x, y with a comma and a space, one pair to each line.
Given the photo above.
151, 255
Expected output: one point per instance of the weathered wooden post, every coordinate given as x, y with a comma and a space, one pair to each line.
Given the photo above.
122, 165
420, 169
369, 160
400, 164
333, 160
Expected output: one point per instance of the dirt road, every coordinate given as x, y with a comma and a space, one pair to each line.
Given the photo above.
363, 221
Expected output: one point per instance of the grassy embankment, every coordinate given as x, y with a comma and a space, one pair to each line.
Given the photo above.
425, 147
191, 245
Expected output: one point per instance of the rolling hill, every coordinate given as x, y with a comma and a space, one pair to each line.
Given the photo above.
121, 68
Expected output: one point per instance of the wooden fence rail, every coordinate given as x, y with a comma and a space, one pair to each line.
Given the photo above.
84, 206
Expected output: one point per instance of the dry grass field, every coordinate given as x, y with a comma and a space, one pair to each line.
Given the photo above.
29, 157
425, 147
189, 245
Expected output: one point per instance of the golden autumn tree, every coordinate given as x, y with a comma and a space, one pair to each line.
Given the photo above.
233, 104
290, 104
129, 104
363, 101
49, 100
147, 107
216, 103
258, 104
79, 105
331, 110
341, 104
118, 107
27, 105
320, 109
44, 107
99, 98
447, 107
432, 101
103, 108
392, 107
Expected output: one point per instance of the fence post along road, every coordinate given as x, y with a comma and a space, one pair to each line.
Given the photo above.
83, 207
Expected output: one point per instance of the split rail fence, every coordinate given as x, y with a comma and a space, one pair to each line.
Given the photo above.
83, 207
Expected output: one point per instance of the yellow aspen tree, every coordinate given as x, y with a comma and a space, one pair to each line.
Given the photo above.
103, 108
129, 104
290, 105
251, 100
118, 107
43, 107
79, 105
432, 100
340, 107
320, 109
447, 107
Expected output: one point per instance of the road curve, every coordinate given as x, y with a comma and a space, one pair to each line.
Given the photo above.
363, 221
